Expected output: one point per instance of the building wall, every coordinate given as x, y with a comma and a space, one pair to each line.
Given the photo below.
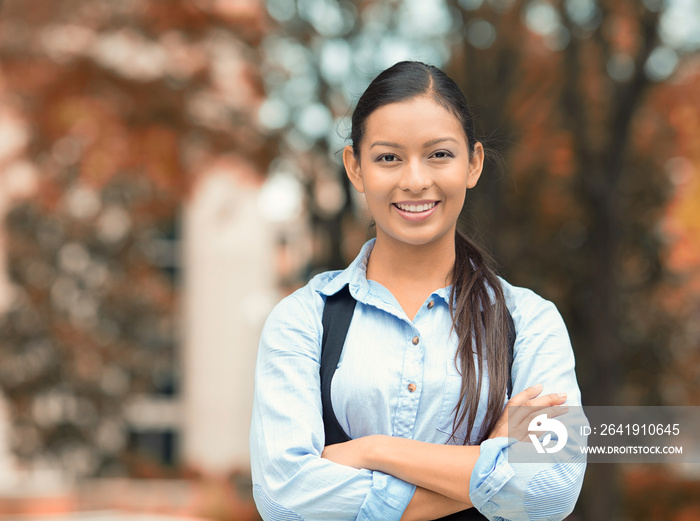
229, 287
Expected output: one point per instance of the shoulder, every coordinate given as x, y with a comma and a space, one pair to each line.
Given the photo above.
542, 351
304, 306
531, 313
293, 327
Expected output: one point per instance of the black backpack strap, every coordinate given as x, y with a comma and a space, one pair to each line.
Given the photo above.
470, 514
337, 314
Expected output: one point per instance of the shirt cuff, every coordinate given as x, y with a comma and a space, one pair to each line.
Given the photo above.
490, 473
387, 499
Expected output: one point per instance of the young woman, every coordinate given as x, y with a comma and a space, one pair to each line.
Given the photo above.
421, 385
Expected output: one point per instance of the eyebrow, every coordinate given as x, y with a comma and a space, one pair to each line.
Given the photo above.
398, 145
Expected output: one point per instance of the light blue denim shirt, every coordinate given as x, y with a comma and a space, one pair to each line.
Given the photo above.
370, 395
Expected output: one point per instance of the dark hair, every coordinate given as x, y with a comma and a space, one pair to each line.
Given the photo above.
477, 304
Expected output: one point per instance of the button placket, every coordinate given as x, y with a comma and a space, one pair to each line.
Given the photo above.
410, 395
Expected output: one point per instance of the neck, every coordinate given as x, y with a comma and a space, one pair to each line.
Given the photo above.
394, 263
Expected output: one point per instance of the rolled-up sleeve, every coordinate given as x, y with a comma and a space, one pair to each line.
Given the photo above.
290, 479
506, 490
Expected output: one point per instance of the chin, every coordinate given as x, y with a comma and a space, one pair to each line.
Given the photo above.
418, 239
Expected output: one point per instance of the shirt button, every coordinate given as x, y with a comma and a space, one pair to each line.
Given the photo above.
411, 387
416, 340
431, 304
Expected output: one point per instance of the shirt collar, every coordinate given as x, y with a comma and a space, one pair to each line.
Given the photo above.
355, 275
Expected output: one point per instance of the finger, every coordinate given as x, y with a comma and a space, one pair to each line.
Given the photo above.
551, 412
522, 429
527, 394
532, 406
546, 400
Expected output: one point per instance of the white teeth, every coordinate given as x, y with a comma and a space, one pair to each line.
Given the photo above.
416, 207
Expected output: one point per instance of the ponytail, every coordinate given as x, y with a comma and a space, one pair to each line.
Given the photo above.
480, 318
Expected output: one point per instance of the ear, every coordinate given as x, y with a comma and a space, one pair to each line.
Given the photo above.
476, 165
353, 169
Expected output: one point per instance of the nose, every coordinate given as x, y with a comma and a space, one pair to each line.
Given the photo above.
415, 177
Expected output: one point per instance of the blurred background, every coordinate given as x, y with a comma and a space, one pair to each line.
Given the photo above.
170, 169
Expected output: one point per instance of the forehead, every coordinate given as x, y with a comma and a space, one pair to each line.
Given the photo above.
413, 121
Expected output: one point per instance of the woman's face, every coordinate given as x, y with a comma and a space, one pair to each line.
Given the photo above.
414, 169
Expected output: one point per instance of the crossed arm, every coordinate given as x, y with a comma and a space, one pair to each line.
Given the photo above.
441, 473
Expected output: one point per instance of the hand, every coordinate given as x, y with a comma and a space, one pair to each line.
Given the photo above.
353, 453
520, 418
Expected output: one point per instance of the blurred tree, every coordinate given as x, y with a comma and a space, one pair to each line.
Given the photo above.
682, 226
126, 102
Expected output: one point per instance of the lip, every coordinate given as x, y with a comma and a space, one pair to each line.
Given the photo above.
413, 216
421, 201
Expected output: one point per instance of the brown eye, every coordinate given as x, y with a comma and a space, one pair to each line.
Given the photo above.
387, 158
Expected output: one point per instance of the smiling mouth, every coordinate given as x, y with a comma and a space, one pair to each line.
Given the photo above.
416, 208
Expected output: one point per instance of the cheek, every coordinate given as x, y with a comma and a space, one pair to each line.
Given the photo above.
460, 198
378, 207
456, 190
376, 191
